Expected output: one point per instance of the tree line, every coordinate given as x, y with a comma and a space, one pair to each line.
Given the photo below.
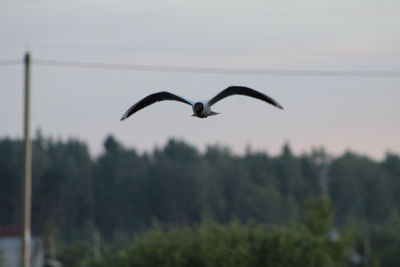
109, 199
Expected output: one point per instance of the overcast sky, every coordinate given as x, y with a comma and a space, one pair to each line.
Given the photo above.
340, 113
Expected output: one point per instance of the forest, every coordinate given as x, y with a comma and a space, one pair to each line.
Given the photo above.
177, 206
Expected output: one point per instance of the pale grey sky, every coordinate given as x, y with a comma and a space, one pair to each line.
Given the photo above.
339, 113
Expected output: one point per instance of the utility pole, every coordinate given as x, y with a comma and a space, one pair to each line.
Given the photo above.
26, 256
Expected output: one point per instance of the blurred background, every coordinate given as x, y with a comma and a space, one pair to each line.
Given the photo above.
327, 165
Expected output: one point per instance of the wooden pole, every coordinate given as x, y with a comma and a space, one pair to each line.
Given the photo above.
27, 166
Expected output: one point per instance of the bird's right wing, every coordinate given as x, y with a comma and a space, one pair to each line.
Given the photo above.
151, 99
241, 90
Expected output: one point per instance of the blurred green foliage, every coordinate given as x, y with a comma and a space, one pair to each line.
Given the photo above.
89, 207
235, 244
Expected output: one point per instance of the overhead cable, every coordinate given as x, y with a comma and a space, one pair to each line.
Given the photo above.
10, 62
211, 70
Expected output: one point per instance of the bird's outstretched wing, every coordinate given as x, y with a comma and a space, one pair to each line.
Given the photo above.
151, 99
241, 90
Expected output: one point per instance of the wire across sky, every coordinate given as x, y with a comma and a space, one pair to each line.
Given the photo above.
10, 62
206, 70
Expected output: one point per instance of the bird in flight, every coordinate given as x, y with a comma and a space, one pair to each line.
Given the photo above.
201, 109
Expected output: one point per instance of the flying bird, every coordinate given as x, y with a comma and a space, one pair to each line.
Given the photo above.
201, 109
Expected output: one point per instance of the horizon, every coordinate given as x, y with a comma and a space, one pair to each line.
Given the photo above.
201, 149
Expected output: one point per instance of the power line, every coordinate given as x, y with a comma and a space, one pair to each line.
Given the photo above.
10, 62
208, 70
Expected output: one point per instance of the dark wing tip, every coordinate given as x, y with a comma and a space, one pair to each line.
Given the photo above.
279, 105
126, 114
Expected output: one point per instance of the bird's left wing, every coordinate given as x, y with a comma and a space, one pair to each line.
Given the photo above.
241, 90
151, 99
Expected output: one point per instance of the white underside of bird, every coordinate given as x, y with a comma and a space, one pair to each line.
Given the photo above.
201, 109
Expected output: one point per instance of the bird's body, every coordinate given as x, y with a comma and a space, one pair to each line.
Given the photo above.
201, 109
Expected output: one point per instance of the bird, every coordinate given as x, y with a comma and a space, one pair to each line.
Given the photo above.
201, 109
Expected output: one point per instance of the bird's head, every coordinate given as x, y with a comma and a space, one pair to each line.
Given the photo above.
198, 107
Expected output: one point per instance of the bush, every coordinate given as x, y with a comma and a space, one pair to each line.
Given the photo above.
229, 246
